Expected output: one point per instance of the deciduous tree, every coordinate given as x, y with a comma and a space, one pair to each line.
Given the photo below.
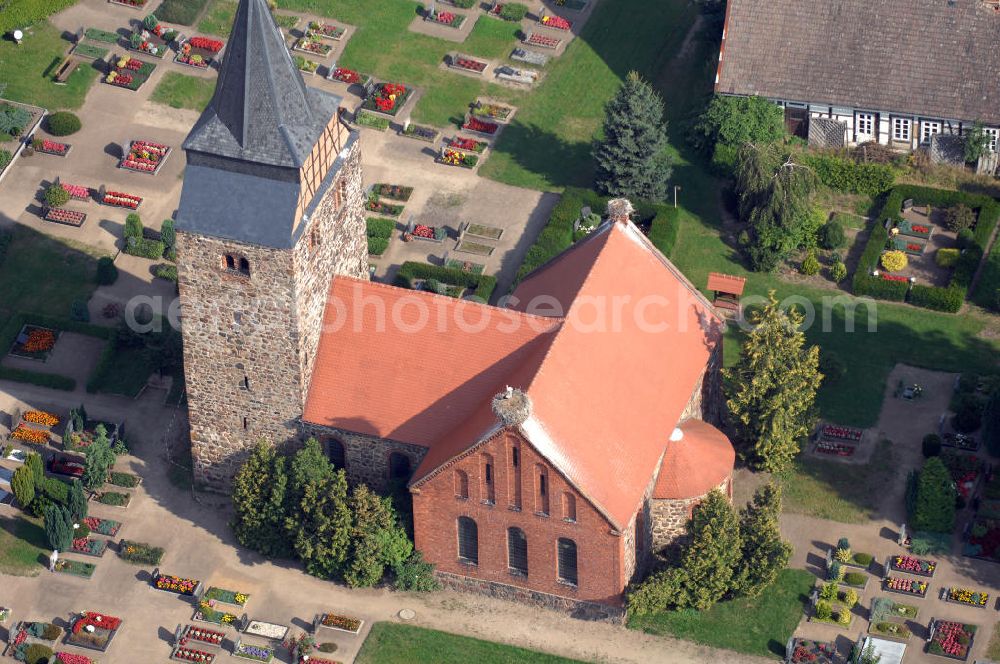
771, 390
730, 122
377, 540
632, 158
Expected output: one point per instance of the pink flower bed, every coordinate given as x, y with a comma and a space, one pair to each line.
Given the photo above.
844, 433
144, 156
54, 147
914, 565
77, 191
120, 199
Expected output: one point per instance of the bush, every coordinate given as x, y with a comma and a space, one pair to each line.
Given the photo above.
810, 265
946, 257
62, 123
968, 414
855, 579
166, 271
415, 574
831, 235
167, 233
78, 311
557, 235
965, 239
838, 271
959, 217
894, 260
36, 653
56, 196
133, 226
835, 572
513, 11
849, 176
140, 553
663, 230
948, 299
823, 610
844, 617
127, 480
931, 445
144, 248
843, 543
107, 271
863, 559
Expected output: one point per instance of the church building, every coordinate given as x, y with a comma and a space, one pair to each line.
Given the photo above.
551, 445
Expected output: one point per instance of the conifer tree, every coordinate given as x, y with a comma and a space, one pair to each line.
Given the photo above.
322, 532
934, 502
58, 527
23, 486
259, 502
100, 460
764, 552
77, 502
307, 465
34, 462
632, 158
377, 540
713, 553
771, 390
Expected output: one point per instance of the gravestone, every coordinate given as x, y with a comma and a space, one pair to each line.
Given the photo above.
902, 535
908, 204
177, 634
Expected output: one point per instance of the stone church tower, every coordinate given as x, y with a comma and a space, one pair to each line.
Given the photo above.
271, 210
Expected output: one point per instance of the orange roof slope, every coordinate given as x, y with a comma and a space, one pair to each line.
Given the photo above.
726, 283
381, 371
695, 464
607, 396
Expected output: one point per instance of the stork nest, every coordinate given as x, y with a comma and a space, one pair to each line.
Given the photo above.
512, 408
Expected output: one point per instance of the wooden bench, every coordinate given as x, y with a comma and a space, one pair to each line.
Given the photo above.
65, 69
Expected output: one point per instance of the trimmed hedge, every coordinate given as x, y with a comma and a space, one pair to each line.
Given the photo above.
380, 227
557, 235
54, 381
411, 270
848, 175
948, 298
144, 248
377, 245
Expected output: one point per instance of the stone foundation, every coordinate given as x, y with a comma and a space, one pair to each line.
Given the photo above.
575, 608
669, 517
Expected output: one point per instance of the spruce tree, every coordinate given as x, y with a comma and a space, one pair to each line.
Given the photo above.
377, 540
77, 502
34, 462
251, 488
58, 527
771, 390
991, 423
934, 503
308, 465
274, 540
764, 552
322, 533
633, 159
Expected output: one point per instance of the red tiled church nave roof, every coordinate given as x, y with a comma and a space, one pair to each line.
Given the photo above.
696, 463
608, 380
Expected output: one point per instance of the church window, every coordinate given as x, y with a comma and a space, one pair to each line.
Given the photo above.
489, 488
399, 466
566, 549
461, 484
569, 506
541, 490
246, 424
517, 552
236, 265
246, 382
468, 541
335, 452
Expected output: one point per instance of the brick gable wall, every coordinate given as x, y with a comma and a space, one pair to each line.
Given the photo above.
436, 509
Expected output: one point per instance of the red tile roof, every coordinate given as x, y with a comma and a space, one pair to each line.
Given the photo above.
695, 464
726, 283
608, 382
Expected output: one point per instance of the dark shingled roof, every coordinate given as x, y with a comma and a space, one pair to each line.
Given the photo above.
262, 110
934, 58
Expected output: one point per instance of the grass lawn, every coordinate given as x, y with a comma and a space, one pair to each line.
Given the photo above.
993, 650
26, 70
22, 541
183, 12
756, 626
825, 490
389, 643
218, 20
182, 91
43, 274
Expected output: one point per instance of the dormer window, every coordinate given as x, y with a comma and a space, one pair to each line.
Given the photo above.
236, 265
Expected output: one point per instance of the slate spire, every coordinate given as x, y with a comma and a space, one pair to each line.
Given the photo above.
262, 110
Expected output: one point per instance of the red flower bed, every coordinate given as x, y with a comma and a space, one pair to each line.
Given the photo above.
913, 247
470, 64
424, 231
906, 585
71, 658
838, 449
463, 143
844, 433
445, 18
193, 655
893, 277
144, 156
71, 217
54, 147
201, 634
542, 40
77, 191
953, 637
204, 43
913, 565
557, 22
345, 75
121, 199
98, 620
472, 124
920, 229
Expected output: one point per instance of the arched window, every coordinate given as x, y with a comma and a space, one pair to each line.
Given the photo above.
541, 490
489, 481
230, 262
244, 266
461, 484
569, 506
236, 264
336, 453
517, 551
399, 466
567, 561
468, 540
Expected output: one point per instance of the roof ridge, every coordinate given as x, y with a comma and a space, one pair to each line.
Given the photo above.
599, 231
555, 321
